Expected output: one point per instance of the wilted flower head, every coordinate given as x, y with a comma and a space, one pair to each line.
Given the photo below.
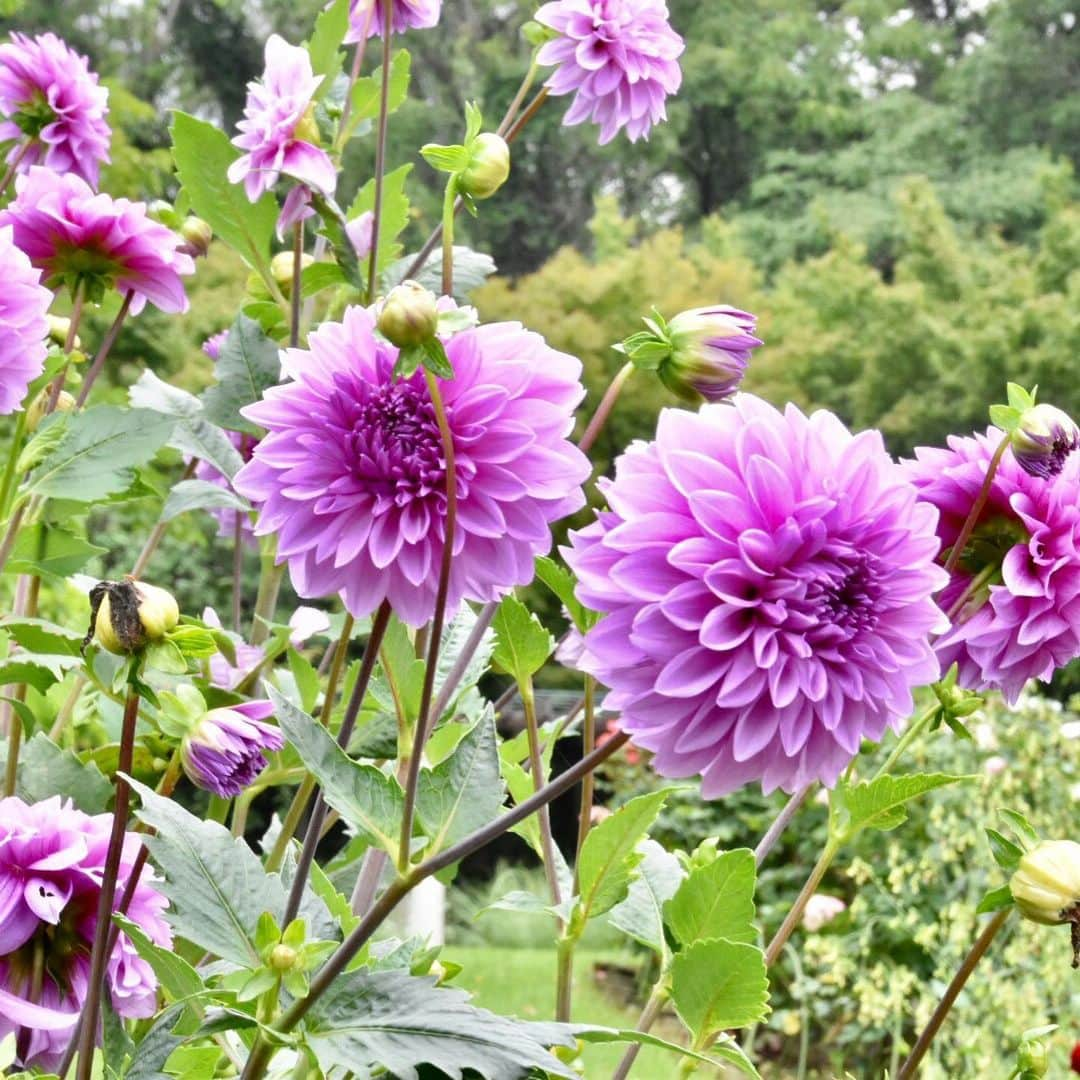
225, 750
1046, 886
76, 236
821, 910
23, 325
620, 59
52, 859
49, 96
352, 480
1044, 439
125, 616
278, 132
767, 583
1014, 596
366, 17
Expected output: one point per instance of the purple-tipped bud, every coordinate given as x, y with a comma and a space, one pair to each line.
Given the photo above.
197, 235
226, 749
1043, 439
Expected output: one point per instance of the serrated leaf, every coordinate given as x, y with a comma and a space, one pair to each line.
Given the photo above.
718, 985
249, 364
880, 803
725, 1051
454, 640
522, 645
464, 792
1006, 854
319, 276
609, 855
40, 636
561, 582
368, 89
191, 495
98, 452
203, 154
39, 670
50, 551
640, 915
46, 770
325, 42
366, 798
716, 901
395, 212
995, 900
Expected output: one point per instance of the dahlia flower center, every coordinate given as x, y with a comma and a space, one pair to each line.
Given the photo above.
845, 596
50, 950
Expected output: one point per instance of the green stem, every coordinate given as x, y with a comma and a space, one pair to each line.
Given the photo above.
533, 108
449, 197
218, 809
13, 165
77, 301
267, 597
536, 765
519, 97
911, 733
380, 152
7, 485
603, 410
957, 551
588, 783
106, 347
825, 860
653, 1007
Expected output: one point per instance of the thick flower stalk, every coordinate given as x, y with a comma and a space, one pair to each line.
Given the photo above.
1014, 595
351, 476
225, 749
52, 857
619, 58
96, 242
767, 586
24, 328
53, 108
366, 17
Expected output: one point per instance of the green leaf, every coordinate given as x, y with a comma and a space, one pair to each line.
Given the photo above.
40, 636
1006, 854
465, 791
1019, 398
561, 582
995, 900
725, 1051
366, 798
436, 360
216, 885
1002, 416
39, 670
98, 452
46, 770
249, 364
454, 640
325, 43
191, 495
395, 212
879, 803
306, 678
471, 270
192, 434
718, 985
716, 901
50, 551
392, 1021
319, 276
522, 645
368, 89
448, 159
609, 854
203, 154
1021, 827
640, 915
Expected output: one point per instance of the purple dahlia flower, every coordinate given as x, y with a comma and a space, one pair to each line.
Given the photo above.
49, 96
226, 749
52, 858
213, 345
1014, 596
351, 476
711, 349
23, 325
278, 132
767, 586
620, 59
366, 17
74, 235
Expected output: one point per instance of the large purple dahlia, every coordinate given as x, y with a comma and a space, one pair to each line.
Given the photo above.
52, 858
23, 326
767, 586
366, 17
618, 57
352, 479
1014, 596
52, 107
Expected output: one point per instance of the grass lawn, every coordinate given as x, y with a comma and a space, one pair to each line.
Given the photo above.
521, 982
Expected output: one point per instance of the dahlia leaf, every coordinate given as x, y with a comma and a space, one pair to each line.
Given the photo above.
716, 901
39, 670
41, 636
249, 364
203, 154
324, 45
522, 644
454, 640
464, 792
880, 803
641, 915
725, 1051
397, 1023
561, 582
319, 276
471, 270
395, 212
191, 495
367, 90
366, 798
399, 679
45, 769
609, 854
717, 985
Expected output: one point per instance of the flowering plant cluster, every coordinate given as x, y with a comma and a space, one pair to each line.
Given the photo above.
754, 597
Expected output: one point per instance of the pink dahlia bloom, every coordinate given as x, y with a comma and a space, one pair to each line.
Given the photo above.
72, 234
49, 95
23, 326
52, 858
226, 750
278, 130
620, 59
767, 581
351, 476
366, 17
1014, 597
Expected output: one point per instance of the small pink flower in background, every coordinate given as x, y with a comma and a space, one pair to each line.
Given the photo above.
1028, 538
306, 622
49, 95
228, 676
821, 910
224, 516
278, 132
360, 232
767, 581
24, 328
366, 17
351, 475
52, 858
72, 234
995, 765
212, 346
618, 57
225, 751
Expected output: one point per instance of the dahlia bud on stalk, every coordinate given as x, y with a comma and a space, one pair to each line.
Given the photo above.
1042, 436
197, 235
409, 315
224, 750
1046, 886
126, 616
59, 328
488, 168
282, 267
39, 407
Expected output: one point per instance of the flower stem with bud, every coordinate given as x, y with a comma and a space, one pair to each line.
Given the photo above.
957, 552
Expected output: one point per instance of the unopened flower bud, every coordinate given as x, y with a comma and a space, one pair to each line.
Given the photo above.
39, 407
409, 315
307, 128
1043, 439
197, 235
226, 748
488, 168
1032, 1060
282, 266
59, 328
125, 616
162, 212
1046, 886
283, 958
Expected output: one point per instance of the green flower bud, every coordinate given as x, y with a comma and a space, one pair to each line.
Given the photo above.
488, 168
282, 265
40, 405
1032, 1059
283, 958
409, 316
59, 328
125, 616
163, 212
197, 235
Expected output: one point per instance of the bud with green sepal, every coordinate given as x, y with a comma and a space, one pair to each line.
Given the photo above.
1042, 436
126, 616
286, 958
1032, 1057
39, 407
282, 269
478, 167
1046, 887
409, 318
955, 704
197, 235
